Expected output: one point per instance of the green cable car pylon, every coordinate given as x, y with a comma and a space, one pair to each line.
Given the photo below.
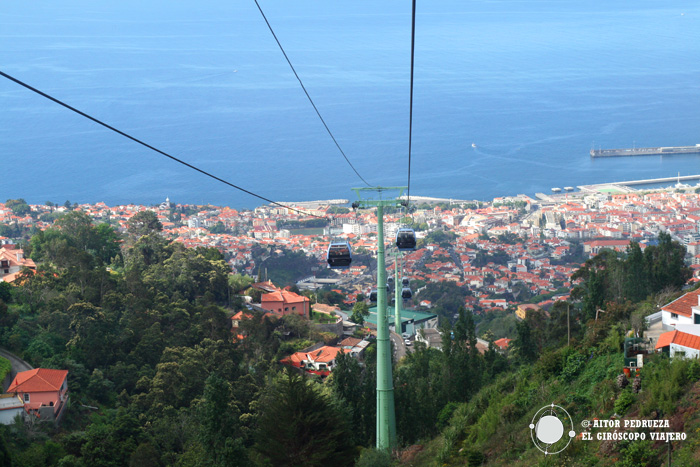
386, 415
398, 328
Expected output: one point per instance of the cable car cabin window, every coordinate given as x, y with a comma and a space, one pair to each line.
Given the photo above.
406, 239
339, 255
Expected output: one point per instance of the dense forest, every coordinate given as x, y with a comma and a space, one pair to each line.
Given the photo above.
156, 379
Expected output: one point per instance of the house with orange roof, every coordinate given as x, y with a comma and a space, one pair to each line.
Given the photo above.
284, 302
319, 362
44, 391
12, 261
683, 310
502, 343
679, 342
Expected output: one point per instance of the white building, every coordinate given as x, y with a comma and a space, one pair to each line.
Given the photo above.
683, 310
678, 342
430, 337
11, 405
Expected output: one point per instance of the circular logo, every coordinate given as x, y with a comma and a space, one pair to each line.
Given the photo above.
547, 429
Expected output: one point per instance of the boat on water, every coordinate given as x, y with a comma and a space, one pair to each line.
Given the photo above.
473, 145
556, 190
569, 188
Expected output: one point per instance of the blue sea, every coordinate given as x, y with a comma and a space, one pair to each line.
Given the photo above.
533, 84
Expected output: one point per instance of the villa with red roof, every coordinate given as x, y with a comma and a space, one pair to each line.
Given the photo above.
320, 361
42, 390
12, 261
683, 310
673, 342
502, 343
284, 302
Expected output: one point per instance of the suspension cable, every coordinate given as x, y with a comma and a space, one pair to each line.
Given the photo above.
307, 94
99, 122
410, 111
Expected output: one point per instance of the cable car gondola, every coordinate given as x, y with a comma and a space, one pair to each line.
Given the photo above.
405, 282
406, 293
406, 239
339, 255
373, 295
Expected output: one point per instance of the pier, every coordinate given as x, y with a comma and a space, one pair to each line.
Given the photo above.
626, 185
315, 204
430, 200
658, 151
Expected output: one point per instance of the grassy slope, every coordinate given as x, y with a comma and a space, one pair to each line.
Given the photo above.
495, 423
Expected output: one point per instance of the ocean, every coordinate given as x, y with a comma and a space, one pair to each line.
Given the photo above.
533, 84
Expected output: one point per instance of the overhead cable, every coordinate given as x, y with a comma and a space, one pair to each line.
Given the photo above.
99, 122
410, 111
308, 96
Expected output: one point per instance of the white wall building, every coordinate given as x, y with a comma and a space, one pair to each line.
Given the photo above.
683, 310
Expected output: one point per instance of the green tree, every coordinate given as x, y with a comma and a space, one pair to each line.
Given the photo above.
218, 228
143, 223
524, 344
330, 297
354, 385
298, 425
239, 282
18, 206
5, 457
360, 311
5, 292
219, 426
91, 334
110, 444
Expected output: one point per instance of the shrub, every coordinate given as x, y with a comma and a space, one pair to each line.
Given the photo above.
639, 453
445, 414
624, 401
5, 368
373, 458
574, 364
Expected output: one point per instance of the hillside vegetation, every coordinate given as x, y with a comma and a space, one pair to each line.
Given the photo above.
155, 378
492, 428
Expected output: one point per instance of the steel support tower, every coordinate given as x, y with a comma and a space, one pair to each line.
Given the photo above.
397, 294
386, 415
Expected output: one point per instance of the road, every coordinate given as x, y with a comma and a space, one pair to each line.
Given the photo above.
17, 365
399, 346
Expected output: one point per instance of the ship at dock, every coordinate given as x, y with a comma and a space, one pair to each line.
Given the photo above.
664, 150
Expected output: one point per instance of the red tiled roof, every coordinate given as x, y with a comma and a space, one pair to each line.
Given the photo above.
323, 355
350, 342
38, 380
679, 338
683, 305
283, 296
502, 343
